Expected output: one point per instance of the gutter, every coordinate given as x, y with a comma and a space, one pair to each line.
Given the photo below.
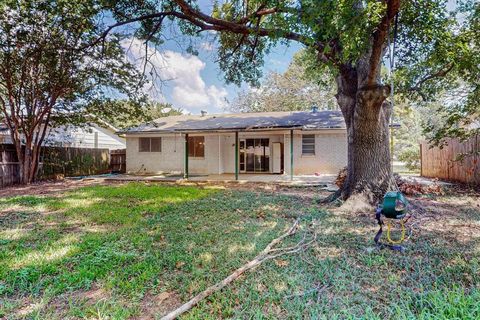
243, 129
228, 130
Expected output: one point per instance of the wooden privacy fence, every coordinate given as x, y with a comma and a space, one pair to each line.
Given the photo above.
118, 160
443, 163
55, 162
9, 169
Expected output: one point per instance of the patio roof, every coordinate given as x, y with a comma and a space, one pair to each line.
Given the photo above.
302, 120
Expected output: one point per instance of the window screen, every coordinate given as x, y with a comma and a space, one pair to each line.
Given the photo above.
196, 147
150, 145
308, 144
144, 145
155, 144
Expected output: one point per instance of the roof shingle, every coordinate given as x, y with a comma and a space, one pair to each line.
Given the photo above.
325, 119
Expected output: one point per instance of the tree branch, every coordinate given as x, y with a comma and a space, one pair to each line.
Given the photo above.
439, 74
206, 22
378, 41
263, 256
259, 13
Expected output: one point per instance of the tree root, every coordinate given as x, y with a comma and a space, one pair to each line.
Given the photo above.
337, 195
268, 253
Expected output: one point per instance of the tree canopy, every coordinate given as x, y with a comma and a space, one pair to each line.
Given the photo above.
459, 99
150, 110
349, 37
294, 90
51, 73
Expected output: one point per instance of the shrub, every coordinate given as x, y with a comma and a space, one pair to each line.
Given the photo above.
411, 157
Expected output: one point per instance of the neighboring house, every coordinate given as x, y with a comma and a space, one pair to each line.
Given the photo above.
89, 136
242, 143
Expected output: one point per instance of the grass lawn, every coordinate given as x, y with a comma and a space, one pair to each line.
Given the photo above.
138, 251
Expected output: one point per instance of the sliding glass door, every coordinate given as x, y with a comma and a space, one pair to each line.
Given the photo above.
255, 155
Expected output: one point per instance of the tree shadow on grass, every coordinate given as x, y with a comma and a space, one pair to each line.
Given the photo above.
180, 238
345, 276
182, 241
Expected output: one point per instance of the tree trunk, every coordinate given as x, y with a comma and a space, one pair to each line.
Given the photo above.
26, 162
367, 116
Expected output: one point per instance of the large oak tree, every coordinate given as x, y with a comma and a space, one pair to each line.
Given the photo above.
350, 37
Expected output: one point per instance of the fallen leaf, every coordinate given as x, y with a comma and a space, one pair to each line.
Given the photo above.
281, 263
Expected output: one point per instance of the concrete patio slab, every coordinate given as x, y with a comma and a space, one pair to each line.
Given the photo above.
301, 180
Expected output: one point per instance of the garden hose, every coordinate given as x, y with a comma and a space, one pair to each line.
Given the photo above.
402, 238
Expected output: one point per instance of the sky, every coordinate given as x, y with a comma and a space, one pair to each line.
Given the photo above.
191, 82
195, 83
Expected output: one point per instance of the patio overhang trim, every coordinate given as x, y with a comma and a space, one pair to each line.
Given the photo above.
232, 130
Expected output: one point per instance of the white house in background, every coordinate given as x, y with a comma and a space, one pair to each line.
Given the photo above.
89, 136
269, 143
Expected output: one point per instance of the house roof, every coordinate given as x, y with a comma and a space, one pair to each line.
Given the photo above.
303, 120
4, 129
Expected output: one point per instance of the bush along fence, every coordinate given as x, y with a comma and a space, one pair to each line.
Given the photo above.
55, 163
456, 161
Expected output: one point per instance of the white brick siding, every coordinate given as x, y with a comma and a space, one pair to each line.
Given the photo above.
330, 153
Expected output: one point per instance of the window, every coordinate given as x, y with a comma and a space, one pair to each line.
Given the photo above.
150, 145
155, 144
196, 147
144, 145
308, 144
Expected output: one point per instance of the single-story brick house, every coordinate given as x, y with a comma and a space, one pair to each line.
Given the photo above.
266, 142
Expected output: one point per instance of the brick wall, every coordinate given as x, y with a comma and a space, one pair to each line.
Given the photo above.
330, 153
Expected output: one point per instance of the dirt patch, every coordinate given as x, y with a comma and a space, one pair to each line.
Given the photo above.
62, 303
94, 294
46, 187
456, 217
158, 305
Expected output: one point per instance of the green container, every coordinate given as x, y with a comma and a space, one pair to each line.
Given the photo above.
394, 205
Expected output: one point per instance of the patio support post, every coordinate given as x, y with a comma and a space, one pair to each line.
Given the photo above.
185, 169
236, 155
291, 155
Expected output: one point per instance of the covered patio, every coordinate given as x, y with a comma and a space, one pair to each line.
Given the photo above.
239, 147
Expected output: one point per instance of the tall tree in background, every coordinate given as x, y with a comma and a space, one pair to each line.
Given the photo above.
459, 103
149, 111
50, 72
294, 90
349, 37
443, 78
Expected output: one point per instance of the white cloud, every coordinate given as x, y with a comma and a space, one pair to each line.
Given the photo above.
183, 72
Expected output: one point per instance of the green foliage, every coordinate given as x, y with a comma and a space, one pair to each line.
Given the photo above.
346, 22
411, 157
69, 162
296, 89
343, 26
407, 137
131, 113
47, 56
439, 67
